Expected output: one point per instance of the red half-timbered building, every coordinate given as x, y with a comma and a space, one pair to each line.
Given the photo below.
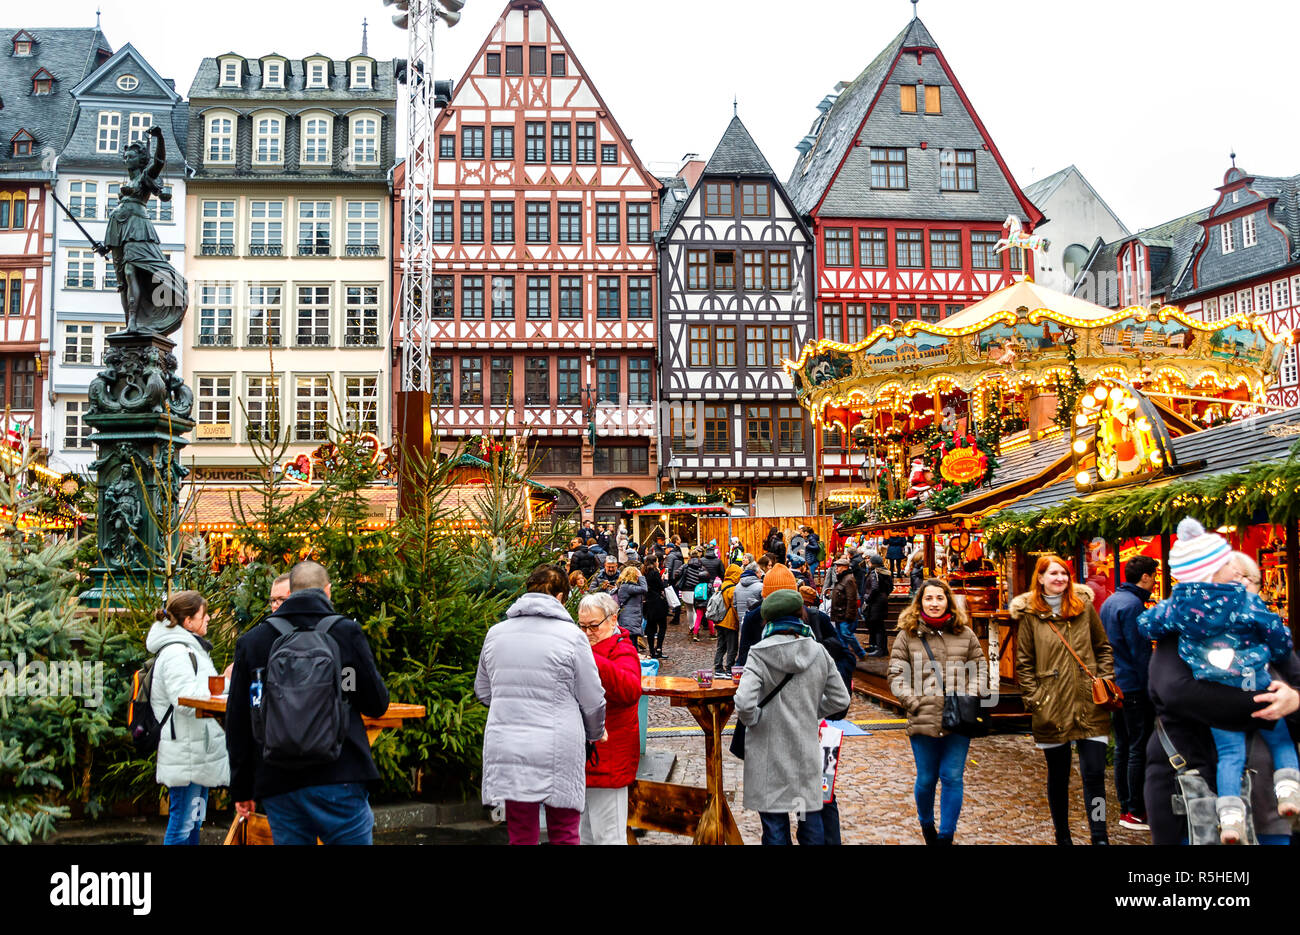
906, 195
543, 293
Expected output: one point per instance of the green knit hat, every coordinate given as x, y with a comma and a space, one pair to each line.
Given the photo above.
783, 603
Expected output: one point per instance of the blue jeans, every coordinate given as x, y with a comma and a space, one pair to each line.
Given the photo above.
1231, 746
776, 828
849, 639
186, 808
827, 821
939, 758
338, 813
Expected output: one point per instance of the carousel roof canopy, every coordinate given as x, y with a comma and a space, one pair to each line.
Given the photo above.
1030, 295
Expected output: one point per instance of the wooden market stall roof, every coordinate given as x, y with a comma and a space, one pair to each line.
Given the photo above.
218, 509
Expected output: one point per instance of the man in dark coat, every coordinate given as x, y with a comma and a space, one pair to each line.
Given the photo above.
1135, 723
713, 561
584, 561
607, 580
877, 606
844, 607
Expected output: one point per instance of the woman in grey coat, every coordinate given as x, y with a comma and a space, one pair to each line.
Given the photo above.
545, 702
783, 761
631, 592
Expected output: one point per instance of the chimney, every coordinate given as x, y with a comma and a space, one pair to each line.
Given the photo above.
691, 170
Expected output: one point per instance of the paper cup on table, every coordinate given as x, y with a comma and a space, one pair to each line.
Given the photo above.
737, 672
704, 678
216, 685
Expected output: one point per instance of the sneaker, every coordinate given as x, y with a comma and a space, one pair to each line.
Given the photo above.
1286, 783
1133, 822
719, 674
1232, 819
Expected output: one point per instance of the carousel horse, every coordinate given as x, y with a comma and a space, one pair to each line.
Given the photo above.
1016, 237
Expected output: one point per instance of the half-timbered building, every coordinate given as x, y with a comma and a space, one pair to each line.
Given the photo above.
736, 285
543, 294
906, 195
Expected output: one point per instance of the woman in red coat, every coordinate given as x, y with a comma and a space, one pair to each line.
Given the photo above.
612, 768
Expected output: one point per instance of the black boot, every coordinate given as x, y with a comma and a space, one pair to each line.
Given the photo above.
928, 832
944, 840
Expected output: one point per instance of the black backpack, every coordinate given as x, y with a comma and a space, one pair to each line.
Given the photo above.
146, 730
303, 718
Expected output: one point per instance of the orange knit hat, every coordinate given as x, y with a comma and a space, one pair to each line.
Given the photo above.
778, 578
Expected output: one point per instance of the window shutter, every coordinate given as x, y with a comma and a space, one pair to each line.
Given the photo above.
932, 99
907, 98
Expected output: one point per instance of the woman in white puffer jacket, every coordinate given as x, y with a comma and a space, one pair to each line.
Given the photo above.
191, 750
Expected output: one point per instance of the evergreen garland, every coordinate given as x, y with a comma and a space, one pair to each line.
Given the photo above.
676, 498
1068, 392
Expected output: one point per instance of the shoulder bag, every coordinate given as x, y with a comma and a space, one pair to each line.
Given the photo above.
962, 714
1196, 801
738, 736
1105, 693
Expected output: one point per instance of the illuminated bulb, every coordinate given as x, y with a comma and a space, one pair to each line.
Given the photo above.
1099, 392
1143, 424
1090, 402
1131, 403
1155, 457
1081, 419
1080, 446
1083, 478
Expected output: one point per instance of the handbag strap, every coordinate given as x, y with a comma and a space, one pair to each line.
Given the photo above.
773, 693
937, 673
1175, 758
1071, 649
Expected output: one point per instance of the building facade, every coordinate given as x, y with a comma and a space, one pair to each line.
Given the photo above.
1076, 216
38, 69
114, 106
288, 236
735, 267
543, 295
906, 195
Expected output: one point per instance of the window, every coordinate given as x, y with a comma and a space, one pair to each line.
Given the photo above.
724, 349
471, 381
514, 60
755, 346
1244, 305
539, 297
638, 381
1263, 298
311, 409
447, 146
537, 60
586, 143
360, 76
83, 199
503, 142
1228, 304
570, 297
221, 137
537, 381
1226, 244
903, 312
316, 76
269, 140
1248, 236
782, 343
534, 142
471, 297
22, 47
833, 322
314, 228
567, 371
724, 269
76, 433
700, 345
230, 73
217, 229
503, 222
1210, 310
15, 219
753, 264
440, 380
681, 426
833, 440
607, 222
638, 223
957, 170
316, 141
697, 269
758, 429
888, 167
503, 297
365, 140
537, 222
778, 270
907, 98
78, 344
471, 142
273, 75
1288, 372
264, 315
559, 68
361, 306
609, 153
932, 101
755, 200
471, 221
857, 320
363, 228
138, 128
443, 229
560, 142
718, 200
930, 314
909, 249
557, 459
13, 305
213, 401
492, 63
607, 380
872, 244
945, 249
880, 314
570, 220
839, 246
313, 316
265, 228
717, 430
638, 297
24, 374
789, 435
982, 244
1281, 294
621, 459
502, 382
442, 297
262, 408
81, 270
216, 315
607, 297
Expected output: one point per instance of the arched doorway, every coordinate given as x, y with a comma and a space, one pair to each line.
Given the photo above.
565, 511
606, 511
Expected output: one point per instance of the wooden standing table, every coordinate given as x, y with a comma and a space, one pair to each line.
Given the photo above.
701, 813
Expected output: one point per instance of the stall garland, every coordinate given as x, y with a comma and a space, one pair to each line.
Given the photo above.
1068, 391
1268, 492
676, 498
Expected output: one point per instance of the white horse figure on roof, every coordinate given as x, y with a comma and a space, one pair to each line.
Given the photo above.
1015, 236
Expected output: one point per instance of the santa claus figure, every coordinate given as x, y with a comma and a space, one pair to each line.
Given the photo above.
920, 481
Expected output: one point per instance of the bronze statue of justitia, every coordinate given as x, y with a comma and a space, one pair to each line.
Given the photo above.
154, 295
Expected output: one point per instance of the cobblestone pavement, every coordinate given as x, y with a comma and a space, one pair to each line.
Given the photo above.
1005, 798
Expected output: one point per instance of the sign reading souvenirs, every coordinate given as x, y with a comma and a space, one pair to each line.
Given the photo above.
963, 465
1118, 437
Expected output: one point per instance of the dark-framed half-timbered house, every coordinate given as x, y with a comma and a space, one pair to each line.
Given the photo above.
735, 266
543, 294
906, 195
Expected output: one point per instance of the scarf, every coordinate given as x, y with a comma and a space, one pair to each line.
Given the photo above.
788, 626
936, 623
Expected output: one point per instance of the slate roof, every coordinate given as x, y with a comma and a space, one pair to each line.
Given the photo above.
383, 82
1169, 248
1038, 192
69, 55
737, 154
673, 198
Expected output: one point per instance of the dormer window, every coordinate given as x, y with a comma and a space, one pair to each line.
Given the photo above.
273, 74
23, 43
230, 73
317, 73
128, 82
360, 76
22, 143
42, 82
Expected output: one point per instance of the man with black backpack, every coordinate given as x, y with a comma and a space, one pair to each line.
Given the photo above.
302, 679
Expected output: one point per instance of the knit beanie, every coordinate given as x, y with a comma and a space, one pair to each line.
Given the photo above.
1197, 554
809, 595
783, 603
779, 577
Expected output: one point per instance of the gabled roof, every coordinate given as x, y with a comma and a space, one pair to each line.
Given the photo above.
1038, 192
737, 154
91, 83
1169, 248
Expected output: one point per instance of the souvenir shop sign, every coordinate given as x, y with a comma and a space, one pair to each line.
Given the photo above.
963, 465
1118, 437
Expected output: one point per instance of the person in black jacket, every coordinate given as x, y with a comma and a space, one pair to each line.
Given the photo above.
329, 802
692, 574
774, 545
654, 608
824, 632
713, 561
877, 606
583, 560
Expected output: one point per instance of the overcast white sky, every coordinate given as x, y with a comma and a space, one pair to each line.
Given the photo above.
1146, 98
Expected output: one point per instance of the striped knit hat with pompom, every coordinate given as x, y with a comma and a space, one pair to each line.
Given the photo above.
1197, 554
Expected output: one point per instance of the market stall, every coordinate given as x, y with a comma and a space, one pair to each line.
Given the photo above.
676, 512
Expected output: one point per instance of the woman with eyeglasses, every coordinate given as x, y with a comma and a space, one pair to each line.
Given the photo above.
612, 763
